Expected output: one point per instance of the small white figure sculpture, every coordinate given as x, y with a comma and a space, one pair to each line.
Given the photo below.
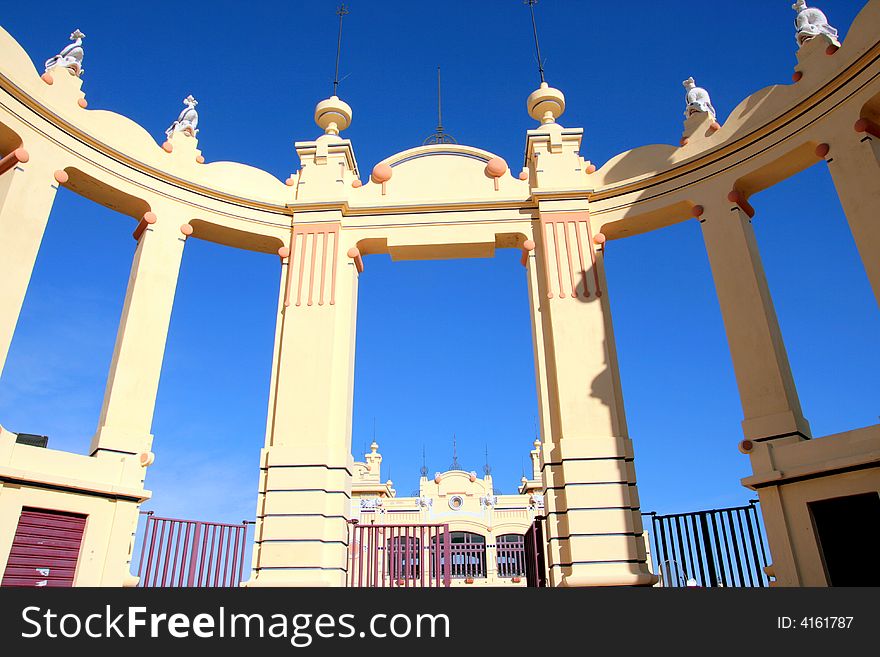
71, 56
371, 503
810, 23
489, 500
697, 99
426, 502
536, 501
188, 120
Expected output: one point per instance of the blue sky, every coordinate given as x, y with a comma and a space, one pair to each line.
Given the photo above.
443, 347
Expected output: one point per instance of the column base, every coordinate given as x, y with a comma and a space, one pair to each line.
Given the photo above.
584, 575
300, 578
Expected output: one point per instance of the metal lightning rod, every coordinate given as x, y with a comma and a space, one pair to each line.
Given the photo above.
531, 4
341, 11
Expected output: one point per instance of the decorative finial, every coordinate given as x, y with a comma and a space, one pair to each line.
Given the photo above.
697, 99
70, 56
439, 137
334, 115
486, 469
424, 469
455, 464
374, 447
811, 22
187, 121
545, 104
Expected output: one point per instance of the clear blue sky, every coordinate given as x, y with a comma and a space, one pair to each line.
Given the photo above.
443, 347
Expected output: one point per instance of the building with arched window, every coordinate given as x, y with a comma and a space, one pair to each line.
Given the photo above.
486, 529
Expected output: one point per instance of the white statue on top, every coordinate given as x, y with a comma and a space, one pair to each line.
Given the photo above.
71, 56
188, 120
811, 22
697, 99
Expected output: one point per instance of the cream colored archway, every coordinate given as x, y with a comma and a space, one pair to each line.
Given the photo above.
442, 202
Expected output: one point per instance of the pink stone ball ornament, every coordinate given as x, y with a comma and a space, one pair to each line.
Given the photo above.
82, 102
381, 173
599, 239
167, 147
523, 175
47, 78
61, 177
496, 167
22, 155
356, 183
284, 252
186, 229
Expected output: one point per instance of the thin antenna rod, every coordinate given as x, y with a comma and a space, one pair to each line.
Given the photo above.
531, 4
439, 106
341, 11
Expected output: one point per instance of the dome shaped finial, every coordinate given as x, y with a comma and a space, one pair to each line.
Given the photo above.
546, 104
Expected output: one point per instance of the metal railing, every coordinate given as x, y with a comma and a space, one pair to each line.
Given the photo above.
399, 555
717, 547
190, 553
535, 548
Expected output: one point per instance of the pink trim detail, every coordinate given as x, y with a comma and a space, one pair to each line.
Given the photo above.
355, 254
356, 183
290, 182
574, 259
715, 127
82, 102
186, 229
739, 199
167, 147
496, 167
698, 211
527, 247
591, 169
18, 156
822, 150
798, 76
593, 258
381, 173
47, 78
868, 126
523, 175
61, 177
200, 159
148, 220
327, 252
599, 239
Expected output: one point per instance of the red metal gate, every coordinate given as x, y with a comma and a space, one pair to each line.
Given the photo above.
399, 555
45, 549
536, 568
178, 553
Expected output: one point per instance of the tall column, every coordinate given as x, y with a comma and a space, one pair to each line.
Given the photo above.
27, 191
305, 480
130, 397
853, 158
594, 527
771, 408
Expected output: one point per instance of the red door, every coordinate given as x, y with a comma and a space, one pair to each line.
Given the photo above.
45, 549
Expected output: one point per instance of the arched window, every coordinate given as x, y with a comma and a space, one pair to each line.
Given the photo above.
467, 555
511, 551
